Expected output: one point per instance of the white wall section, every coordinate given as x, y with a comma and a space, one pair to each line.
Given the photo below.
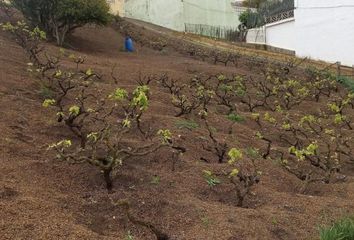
210, 12
321, 29
166, 13
256, 35
174, 14
325, 30
281, 34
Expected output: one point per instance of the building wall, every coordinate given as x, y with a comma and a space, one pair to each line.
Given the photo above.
256, 36
218, 13
174, 14
166, 13
281, 34
325, 30
321, 29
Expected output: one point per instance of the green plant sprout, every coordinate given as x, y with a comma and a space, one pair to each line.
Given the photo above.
210, 178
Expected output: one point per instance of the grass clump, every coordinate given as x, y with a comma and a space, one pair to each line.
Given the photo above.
187, 124
235, 117
252, 153
45, 92
340, 230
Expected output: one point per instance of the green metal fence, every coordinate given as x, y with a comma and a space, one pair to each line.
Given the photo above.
270, 11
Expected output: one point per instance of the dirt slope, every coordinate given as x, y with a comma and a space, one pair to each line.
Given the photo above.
41, 198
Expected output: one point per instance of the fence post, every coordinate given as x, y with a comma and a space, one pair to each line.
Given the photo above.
338, 70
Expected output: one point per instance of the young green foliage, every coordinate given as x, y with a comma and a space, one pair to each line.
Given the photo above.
210, 178
342, 229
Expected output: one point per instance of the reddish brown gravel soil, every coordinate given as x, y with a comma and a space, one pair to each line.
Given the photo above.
41, 198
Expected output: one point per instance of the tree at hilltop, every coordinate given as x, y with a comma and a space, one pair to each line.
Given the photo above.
58, 18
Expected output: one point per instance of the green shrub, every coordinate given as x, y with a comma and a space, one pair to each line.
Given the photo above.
347, 82
251, 19
340, 230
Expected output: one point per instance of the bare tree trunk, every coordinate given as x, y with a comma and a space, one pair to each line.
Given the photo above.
108, 178
63, 33
240, 198
60, 34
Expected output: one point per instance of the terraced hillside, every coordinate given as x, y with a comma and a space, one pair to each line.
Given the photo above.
260, 149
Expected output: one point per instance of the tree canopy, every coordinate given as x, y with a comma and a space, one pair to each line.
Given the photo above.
60, 17
253, 3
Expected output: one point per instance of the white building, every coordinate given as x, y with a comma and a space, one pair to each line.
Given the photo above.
318, 29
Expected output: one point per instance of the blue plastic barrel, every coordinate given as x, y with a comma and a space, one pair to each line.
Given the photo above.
129, 44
